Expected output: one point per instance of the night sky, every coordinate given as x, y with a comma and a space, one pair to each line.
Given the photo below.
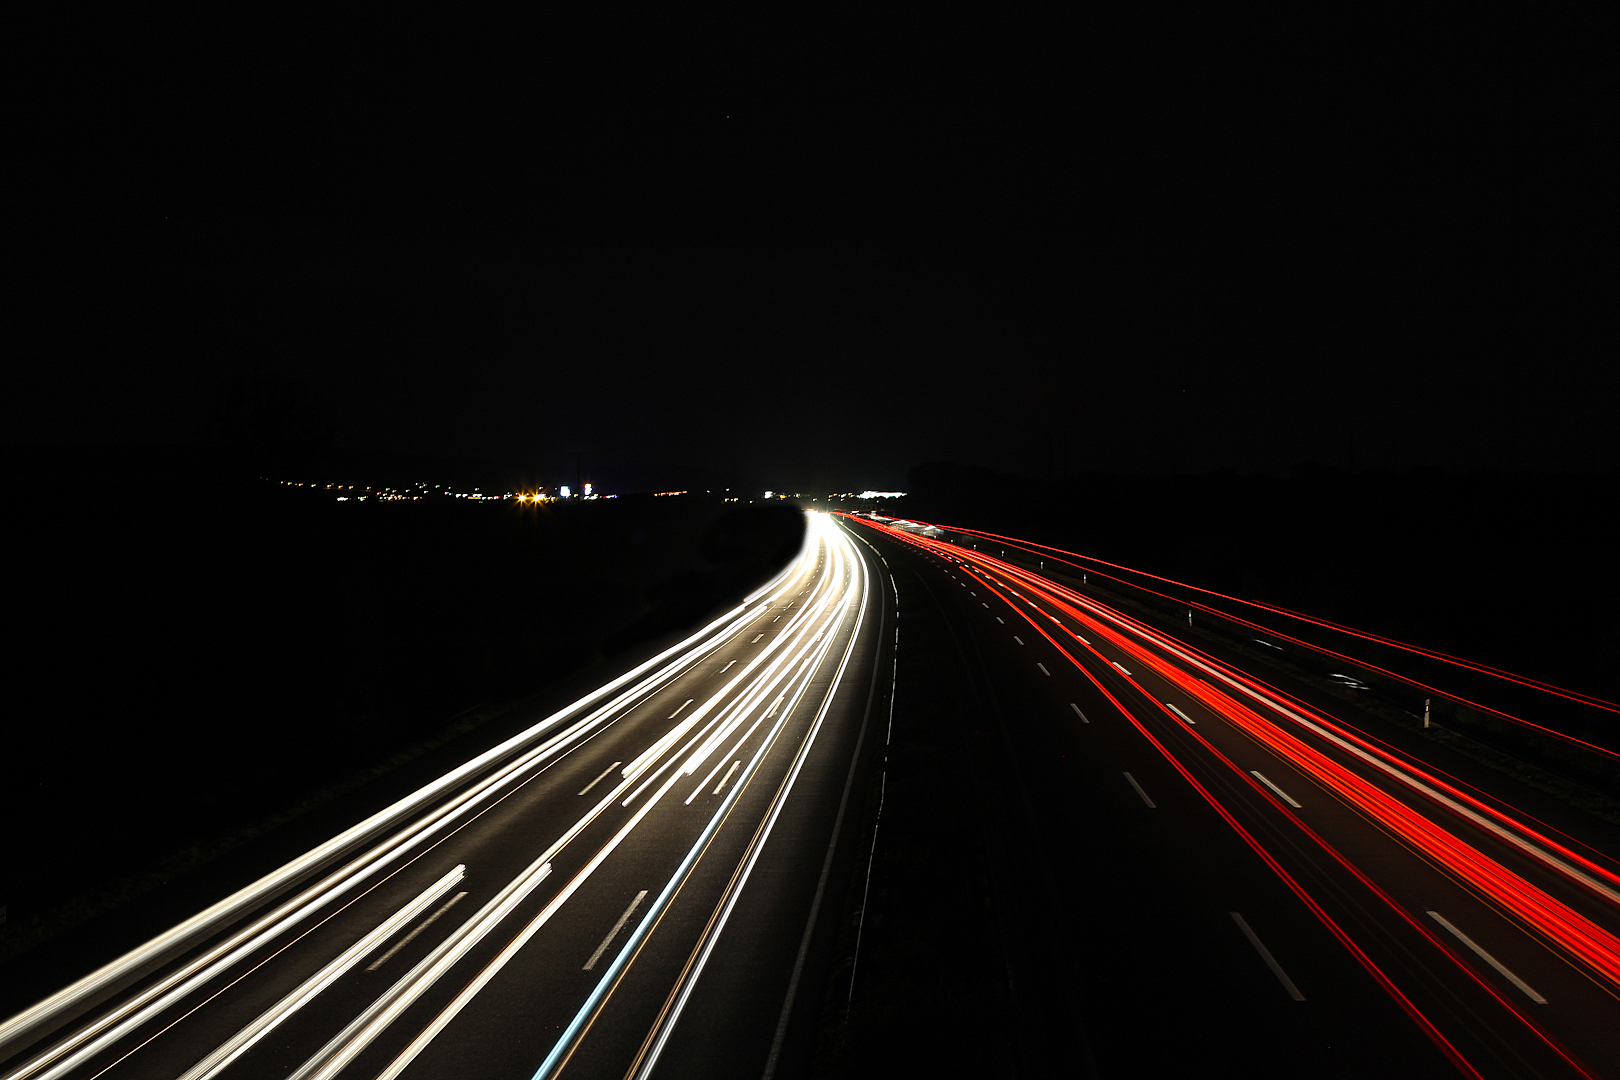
819, 247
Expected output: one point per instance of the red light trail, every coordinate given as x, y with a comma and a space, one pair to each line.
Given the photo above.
1289, 729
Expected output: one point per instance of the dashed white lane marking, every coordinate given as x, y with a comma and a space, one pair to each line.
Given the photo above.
1043, 669
727, 667
1121, 667
1018, 639
1179, 713
756, 638
1271, 961
613, 933
1139, 791
677, 712
1281, 794
724, 780
406, 940
1000, 620
984, 605
1078, 713
598, 780
1489, 959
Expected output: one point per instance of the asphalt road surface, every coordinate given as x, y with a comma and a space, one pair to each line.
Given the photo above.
1248, 880
632, 886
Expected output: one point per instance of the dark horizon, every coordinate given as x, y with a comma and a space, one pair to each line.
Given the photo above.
747, 257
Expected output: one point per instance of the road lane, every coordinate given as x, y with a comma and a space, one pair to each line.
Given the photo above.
556, 830
1367, 854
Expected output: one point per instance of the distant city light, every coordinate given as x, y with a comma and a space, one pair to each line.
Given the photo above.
880, 495
566, 491
587, 491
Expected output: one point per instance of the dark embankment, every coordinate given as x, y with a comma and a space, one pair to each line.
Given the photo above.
202, 650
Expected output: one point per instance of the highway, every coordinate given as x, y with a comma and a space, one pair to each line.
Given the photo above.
632, 886
1247, 875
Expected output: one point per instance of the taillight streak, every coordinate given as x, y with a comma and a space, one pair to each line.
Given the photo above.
1449, 796
1476, 812
1534, 684
1575, 934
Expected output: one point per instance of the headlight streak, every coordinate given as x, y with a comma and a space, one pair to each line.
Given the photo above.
404, 1059
780, 656
349, 1043
363, 1029
649, 919
62, 1056
728, 756
239, 947
799, 663
243, 1040
1366, 961
675, 1004
807, 615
